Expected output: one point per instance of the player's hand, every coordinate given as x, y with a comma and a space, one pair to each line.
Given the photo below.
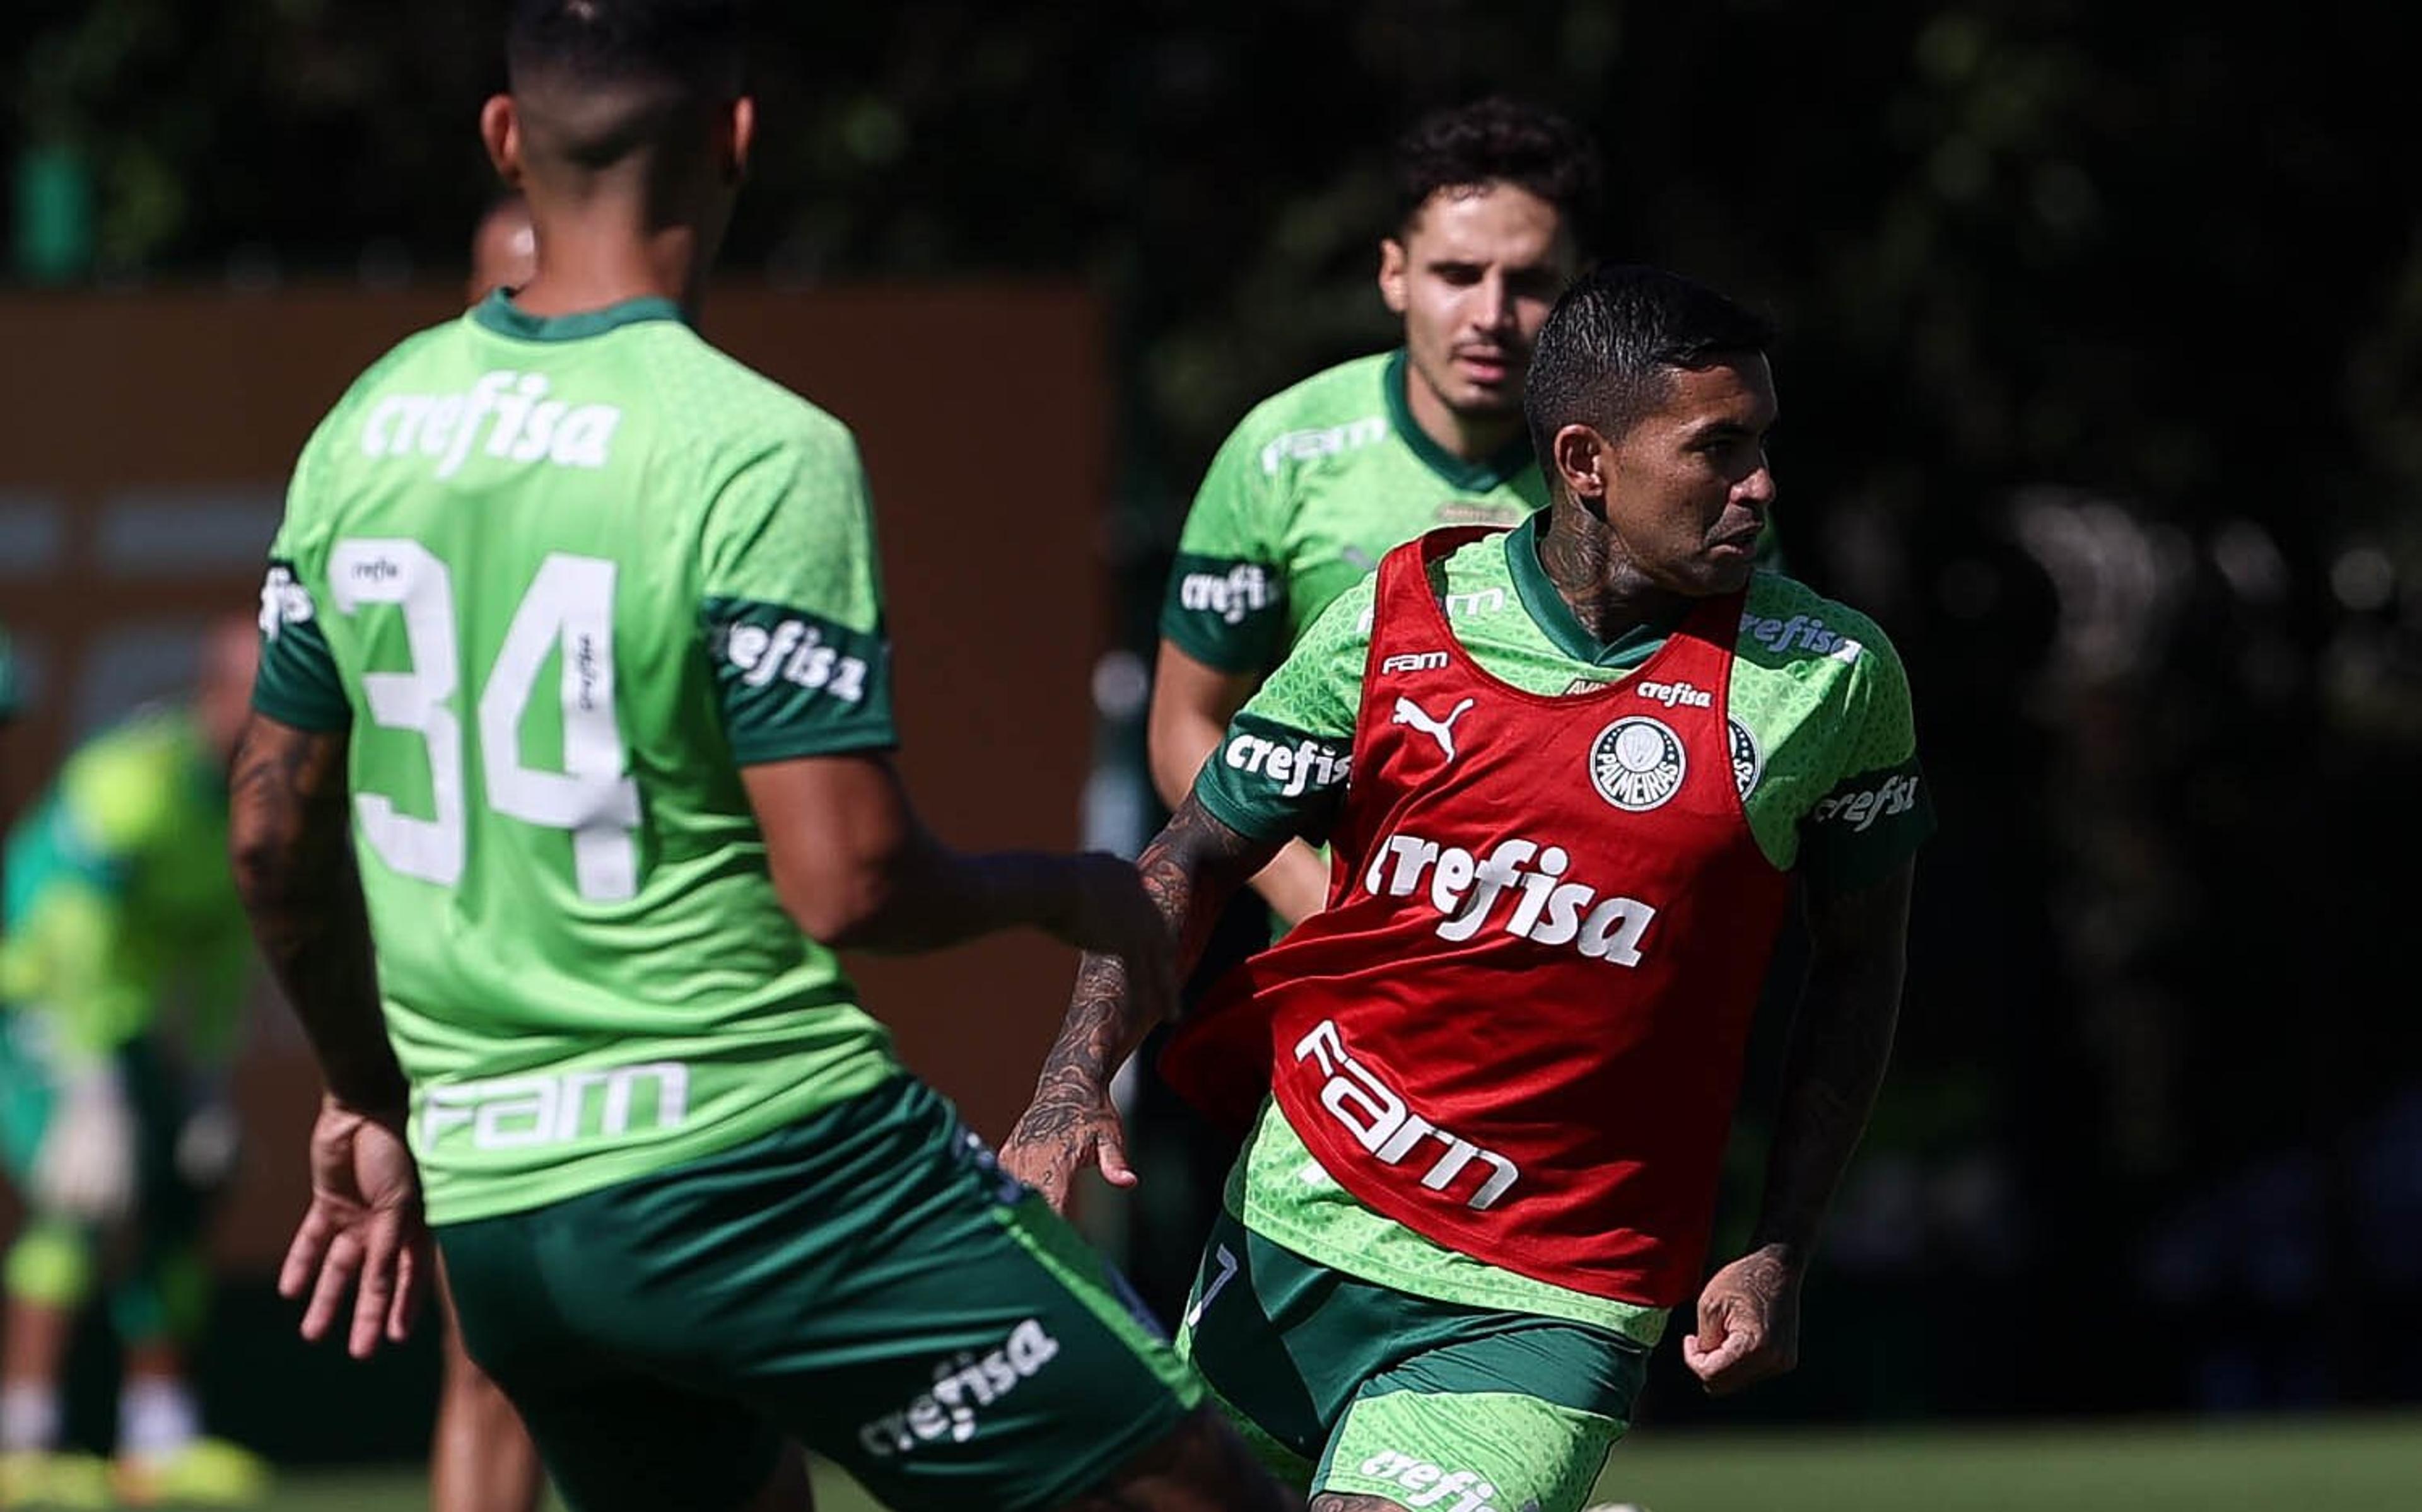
1114, 915
1749, 1324
364, 1231
1071, 1125
84, 1167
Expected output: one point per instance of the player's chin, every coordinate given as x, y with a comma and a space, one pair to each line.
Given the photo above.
1489, 401
1723, 570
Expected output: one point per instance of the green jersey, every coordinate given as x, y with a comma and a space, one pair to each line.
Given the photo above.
560, 579
1310, 490
1824, 748
118, 902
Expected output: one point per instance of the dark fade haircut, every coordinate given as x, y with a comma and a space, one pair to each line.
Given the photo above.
1609, 350
657, 58
1501, 140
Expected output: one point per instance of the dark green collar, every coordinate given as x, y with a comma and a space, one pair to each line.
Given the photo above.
1467, 477
1555, 618
499, 313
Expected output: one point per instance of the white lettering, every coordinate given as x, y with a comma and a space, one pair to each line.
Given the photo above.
963, 1384
1376, 1117
1471, 892
520, 1111
501, 414
1857, 811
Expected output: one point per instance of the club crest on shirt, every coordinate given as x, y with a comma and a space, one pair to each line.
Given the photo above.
1749, 762
1637, 763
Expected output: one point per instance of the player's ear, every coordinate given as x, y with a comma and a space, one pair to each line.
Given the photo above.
500, 128
1586, 463
738, 130
1394, 270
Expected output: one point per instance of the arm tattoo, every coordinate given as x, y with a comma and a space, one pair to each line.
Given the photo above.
293, 862
1841, 1041
1189, 871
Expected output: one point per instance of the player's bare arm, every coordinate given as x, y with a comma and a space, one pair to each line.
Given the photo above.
1189, 871
288, 838
1841, 1041
1191, 704
859, 871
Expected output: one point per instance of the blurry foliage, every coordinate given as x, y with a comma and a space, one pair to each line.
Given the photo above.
2130, 247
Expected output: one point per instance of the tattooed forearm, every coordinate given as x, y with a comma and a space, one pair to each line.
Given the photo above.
1841, 1041
1189, 871
294, 866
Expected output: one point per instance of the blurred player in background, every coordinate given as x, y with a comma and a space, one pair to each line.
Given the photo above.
1572, 772
580, 632
123, 964
481, 1458
1495, 201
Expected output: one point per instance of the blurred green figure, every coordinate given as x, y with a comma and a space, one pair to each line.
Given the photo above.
113, 1120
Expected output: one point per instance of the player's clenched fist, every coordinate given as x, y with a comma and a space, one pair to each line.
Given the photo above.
1749, 1324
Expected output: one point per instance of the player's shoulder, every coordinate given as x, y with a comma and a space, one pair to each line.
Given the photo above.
732, 408
382, 375
1786, 624
1336, 410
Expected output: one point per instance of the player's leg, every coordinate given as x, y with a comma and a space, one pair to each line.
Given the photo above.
614, 1433
47, 1278
1204, 1466
1518, 1418
481, 1458
1384, 1399
869, 1281
159, 1304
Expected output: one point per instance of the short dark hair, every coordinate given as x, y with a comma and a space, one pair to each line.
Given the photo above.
1501, 140
698, 45
1606, 354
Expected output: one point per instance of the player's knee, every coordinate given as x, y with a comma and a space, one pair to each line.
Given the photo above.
50, 1264
1202, 1466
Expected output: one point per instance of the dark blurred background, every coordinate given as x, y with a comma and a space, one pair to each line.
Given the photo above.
2103, 392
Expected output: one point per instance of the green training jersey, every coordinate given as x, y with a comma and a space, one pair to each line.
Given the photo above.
1825, 750
561, 579
119, 905
1306, 495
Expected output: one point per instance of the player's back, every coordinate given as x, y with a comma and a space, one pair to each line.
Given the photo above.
559, 577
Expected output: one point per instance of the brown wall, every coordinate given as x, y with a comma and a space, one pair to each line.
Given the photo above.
144, 439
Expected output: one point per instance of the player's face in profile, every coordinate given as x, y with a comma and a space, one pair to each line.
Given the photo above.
1691, 485
1474, 276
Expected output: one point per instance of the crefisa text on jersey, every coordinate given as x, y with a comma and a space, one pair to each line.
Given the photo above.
507, 410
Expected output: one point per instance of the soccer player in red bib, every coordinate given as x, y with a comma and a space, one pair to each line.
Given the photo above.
1569, 774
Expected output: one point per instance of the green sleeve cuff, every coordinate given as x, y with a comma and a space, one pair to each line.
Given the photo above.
1866, 826
1270, 782
1226, 613
298, 684
792, 683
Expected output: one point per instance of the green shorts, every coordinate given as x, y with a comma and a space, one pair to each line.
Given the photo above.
1348, 1386
866, 1281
